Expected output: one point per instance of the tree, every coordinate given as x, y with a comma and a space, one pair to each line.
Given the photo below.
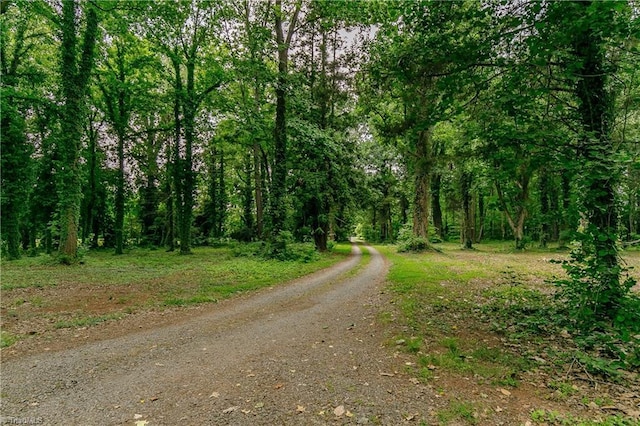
16, 44
183, 31
252, 73
75, 72
428, 64
278, 206
596, 265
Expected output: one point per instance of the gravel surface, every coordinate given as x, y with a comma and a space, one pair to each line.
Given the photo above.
308, 352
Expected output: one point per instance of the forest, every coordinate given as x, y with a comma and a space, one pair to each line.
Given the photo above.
176, 124
162, 153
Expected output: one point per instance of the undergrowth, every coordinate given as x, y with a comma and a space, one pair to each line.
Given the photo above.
449, 299
522, 313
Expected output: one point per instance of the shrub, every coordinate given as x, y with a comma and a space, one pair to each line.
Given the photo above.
407, 242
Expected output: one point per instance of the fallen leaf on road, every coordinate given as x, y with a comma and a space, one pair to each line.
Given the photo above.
301, 409
246, 411
259, 405
137, 416
230, 410
339, 410
214, 395
505, 392
349, 414
278, 386
141, 423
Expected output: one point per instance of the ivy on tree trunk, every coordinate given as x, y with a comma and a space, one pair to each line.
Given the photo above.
600, 173
75, 73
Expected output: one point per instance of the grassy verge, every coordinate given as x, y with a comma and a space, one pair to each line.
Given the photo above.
482, 318
107, 287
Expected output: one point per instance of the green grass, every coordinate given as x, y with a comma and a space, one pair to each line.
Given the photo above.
208, 269
7, 339
486, 315
105, 287
458, 411
549, 417
87, 321
439, 295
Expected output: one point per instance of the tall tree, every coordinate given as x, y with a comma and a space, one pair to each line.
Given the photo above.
117, 98
586, 25
75, 72
427, 64
16, 42
283, 38
184, 32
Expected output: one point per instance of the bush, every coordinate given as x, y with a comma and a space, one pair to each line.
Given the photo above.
282, 247
413, 244
407, 242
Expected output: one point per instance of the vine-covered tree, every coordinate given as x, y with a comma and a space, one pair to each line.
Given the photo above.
77, 51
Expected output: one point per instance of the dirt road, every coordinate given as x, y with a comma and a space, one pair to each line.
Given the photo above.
308, 352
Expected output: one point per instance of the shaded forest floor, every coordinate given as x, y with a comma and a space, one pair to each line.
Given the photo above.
446, 319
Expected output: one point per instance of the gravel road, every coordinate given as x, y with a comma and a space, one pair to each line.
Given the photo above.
308, 352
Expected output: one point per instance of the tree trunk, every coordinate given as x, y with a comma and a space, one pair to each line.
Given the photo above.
545, 207
422, 184
169, 236
221, 198
481, 217
436, 183
14, 188
91, 197
188, 174
468, 228
75, 77
279, 176
517, 219
149, 193
600, 174
177, 194
257, 182
565, 219
247, 196
278, 185
556, 214
119, 200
